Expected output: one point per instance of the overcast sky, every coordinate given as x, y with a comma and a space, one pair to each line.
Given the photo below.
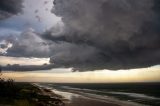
92, 37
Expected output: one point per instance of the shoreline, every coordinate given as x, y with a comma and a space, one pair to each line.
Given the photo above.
54, 99
28, 94
106, 99
77, 98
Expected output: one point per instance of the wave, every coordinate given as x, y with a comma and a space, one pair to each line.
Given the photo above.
136, 95
130, 98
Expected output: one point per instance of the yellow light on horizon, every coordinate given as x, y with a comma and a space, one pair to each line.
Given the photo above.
23, 61
103, 76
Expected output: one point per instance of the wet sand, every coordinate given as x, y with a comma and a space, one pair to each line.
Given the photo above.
76, 98
82, 101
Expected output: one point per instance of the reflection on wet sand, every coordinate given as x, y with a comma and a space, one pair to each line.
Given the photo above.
83, 101
79, 100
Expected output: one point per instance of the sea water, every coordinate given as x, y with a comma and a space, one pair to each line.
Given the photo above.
147, 94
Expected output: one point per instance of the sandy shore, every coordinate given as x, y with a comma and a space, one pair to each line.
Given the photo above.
75, 98
98, 99
53, 98
82, 101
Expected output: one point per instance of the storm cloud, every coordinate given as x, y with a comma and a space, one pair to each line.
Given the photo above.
9, 8
28, 44
22, 68
97, 34
123, 33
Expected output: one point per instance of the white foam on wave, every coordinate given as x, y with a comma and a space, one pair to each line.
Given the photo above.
66, 95
69, 93
136, 95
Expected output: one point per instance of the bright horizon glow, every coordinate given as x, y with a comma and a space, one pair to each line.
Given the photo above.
102, 76
23, 61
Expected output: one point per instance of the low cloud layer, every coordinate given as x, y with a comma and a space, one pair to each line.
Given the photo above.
9, 8
17, 67
97, 34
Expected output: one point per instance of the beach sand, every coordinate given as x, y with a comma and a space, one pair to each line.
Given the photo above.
83, 101
76, 98
80, 99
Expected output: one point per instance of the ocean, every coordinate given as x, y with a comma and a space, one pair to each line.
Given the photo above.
142, 94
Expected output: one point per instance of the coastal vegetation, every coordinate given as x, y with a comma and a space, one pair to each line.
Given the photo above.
26, 94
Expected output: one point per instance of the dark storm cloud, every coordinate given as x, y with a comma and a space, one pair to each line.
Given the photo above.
17, 67
28, 44
123, 33
97, 34
9, 8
